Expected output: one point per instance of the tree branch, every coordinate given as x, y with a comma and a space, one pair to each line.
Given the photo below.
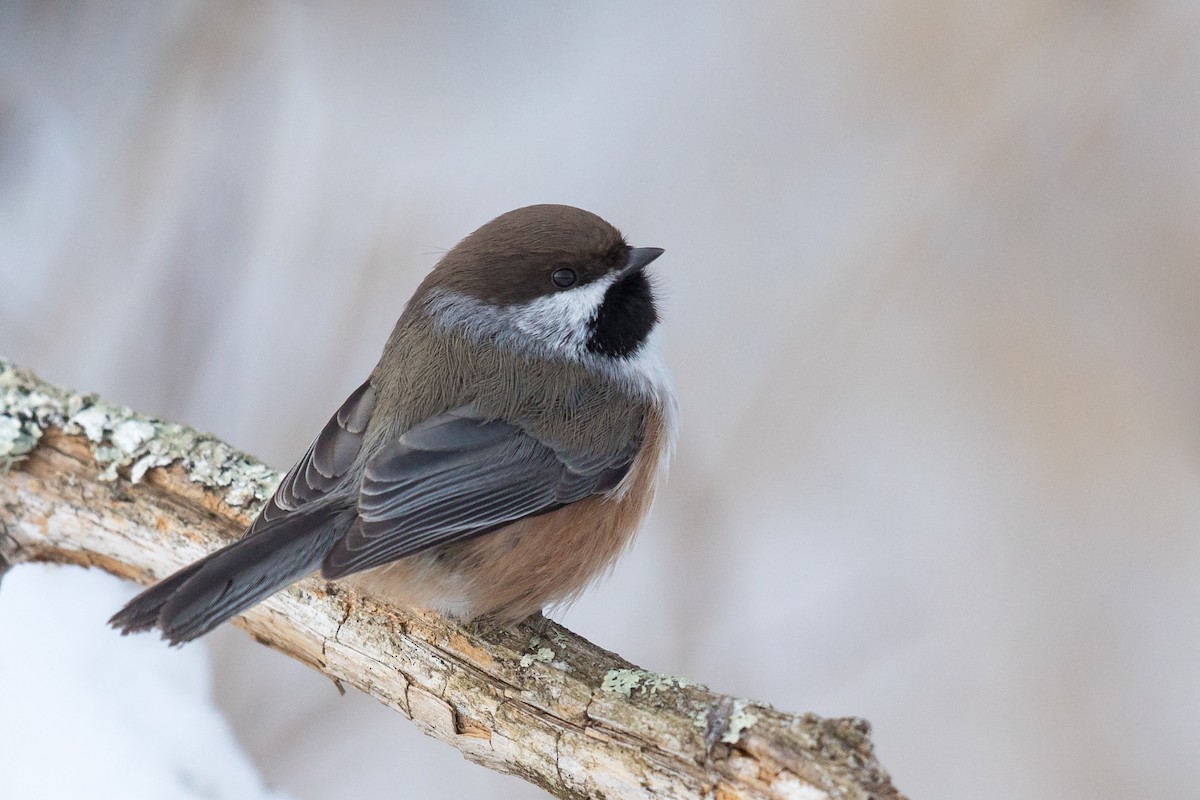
83, 482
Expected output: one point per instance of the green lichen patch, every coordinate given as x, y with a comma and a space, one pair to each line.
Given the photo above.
543, 654
740, 720
122, 438
17, 438
537, 653
627, 681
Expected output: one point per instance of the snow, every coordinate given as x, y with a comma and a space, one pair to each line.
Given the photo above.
86, 714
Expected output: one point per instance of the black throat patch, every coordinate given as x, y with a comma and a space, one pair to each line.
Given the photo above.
625, 318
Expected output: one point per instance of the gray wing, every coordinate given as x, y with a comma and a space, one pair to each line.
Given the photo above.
455, 476
289, 539
326, 463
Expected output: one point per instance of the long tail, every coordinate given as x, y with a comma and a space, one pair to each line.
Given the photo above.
223, 584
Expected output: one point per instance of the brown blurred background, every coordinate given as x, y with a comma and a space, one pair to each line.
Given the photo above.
932, 301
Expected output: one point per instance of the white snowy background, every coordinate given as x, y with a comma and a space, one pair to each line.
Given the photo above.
932, 299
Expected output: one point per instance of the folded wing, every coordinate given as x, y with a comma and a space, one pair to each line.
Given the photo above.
325, 464
457, 475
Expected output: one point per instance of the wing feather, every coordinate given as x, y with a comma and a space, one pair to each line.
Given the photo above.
325, 464
458, 475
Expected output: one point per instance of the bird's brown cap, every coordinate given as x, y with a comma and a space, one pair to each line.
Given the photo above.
510, 260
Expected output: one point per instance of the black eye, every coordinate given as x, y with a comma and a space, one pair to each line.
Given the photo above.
563, 277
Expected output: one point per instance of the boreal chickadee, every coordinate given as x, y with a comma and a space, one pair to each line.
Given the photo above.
502, 453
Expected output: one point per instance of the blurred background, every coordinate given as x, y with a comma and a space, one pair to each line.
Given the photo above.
931, 298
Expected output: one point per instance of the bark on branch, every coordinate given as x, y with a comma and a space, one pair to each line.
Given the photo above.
83, 482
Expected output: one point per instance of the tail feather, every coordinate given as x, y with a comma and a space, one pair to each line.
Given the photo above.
141, 613
223, 584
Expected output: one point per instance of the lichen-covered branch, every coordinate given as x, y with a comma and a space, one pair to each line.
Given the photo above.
87, 483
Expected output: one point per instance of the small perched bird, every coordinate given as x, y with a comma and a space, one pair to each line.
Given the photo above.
502, 453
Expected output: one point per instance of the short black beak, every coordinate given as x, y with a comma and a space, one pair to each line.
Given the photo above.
639, 258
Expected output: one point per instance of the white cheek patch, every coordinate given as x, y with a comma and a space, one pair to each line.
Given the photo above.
557, 325
562, 320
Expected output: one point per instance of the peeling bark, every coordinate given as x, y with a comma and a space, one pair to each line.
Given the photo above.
91, 484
